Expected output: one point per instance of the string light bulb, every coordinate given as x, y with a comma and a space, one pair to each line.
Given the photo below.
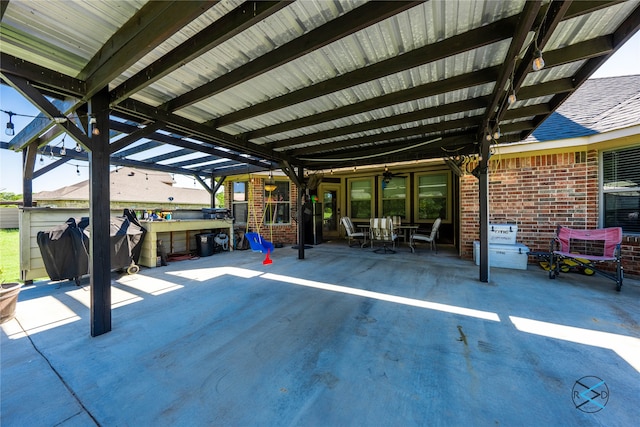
10, 130
63, 151
78, 148
78, 170
496, 134
512, 98
94, 126
41, 160
538, 62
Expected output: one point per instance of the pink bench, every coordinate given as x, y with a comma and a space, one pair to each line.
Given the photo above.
587, 248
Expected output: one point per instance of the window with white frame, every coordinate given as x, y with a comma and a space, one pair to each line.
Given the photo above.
433, 196
277, 204
240, 202
621, 189
360, 198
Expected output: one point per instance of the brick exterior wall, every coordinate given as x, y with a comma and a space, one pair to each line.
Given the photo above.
539, 192
282, 233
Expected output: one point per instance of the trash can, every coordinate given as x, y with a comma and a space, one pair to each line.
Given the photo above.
205, 244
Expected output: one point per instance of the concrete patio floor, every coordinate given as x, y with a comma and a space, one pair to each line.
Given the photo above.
345, 337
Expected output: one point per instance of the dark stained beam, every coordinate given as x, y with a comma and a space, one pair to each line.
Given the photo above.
153, 24
473, 39
398, 119
50, 167
42, 124
41, 77
386, 136
99, 213
28, 165
554, 14
474, 78
178, 142
624, 32
192, 161
145, 146
223, 29
46, 107
525, 23
580, 51
349, 23
547, 88
171, 155
134, 136
430, 146
235, 170
188, 127
578, 8
529, 111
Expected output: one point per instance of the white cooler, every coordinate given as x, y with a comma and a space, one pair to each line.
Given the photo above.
504, 234
504, 256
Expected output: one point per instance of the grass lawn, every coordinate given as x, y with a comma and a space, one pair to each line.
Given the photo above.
9, 255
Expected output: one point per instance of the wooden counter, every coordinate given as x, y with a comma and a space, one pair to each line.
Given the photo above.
178, 236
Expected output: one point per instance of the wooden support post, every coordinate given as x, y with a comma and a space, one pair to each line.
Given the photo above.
28, 164
484, 210
99, 203
300, 213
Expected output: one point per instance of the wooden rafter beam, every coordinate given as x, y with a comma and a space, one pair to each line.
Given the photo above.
418, 131
154, 23
474, 78
526, 21
473, 39
349, 23
228, 26
46, 107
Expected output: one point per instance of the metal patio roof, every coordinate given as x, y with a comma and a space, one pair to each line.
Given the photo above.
213, 89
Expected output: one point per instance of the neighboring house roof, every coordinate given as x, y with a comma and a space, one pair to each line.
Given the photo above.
133, 185
598, 106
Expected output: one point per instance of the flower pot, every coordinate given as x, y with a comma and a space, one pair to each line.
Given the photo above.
8, 299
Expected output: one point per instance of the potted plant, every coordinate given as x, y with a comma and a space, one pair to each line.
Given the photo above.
8, 299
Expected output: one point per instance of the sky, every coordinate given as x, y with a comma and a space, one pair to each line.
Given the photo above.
624, 62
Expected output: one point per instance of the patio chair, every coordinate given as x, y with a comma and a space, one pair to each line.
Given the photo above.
428, 238
381, 230
352, 234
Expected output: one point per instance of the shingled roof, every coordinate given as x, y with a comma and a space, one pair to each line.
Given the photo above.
598, 106
134, 185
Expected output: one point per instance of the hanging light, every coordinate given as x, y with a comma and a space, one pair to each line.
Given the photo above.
78, 170
497, 133
78, 147
41, 160
94, 126
63, 150
538, 62
10, 130
512, 98
270, 183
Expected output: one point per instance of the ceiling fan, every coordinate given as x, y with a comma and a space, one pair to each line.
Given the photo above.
387, 175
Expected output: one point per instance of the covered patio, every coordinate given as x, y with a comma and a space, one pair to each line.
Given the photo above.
333, 339
213, 89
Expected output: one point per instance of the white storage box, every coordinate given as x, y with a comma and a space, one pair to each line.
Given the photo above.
504, 256
504, 234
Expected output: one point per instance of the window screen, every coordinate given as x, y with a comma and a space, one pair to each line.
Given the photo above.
621, 189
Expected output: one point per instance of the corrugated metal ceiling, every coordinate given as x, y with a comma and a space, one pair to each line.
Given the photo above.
235, 86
